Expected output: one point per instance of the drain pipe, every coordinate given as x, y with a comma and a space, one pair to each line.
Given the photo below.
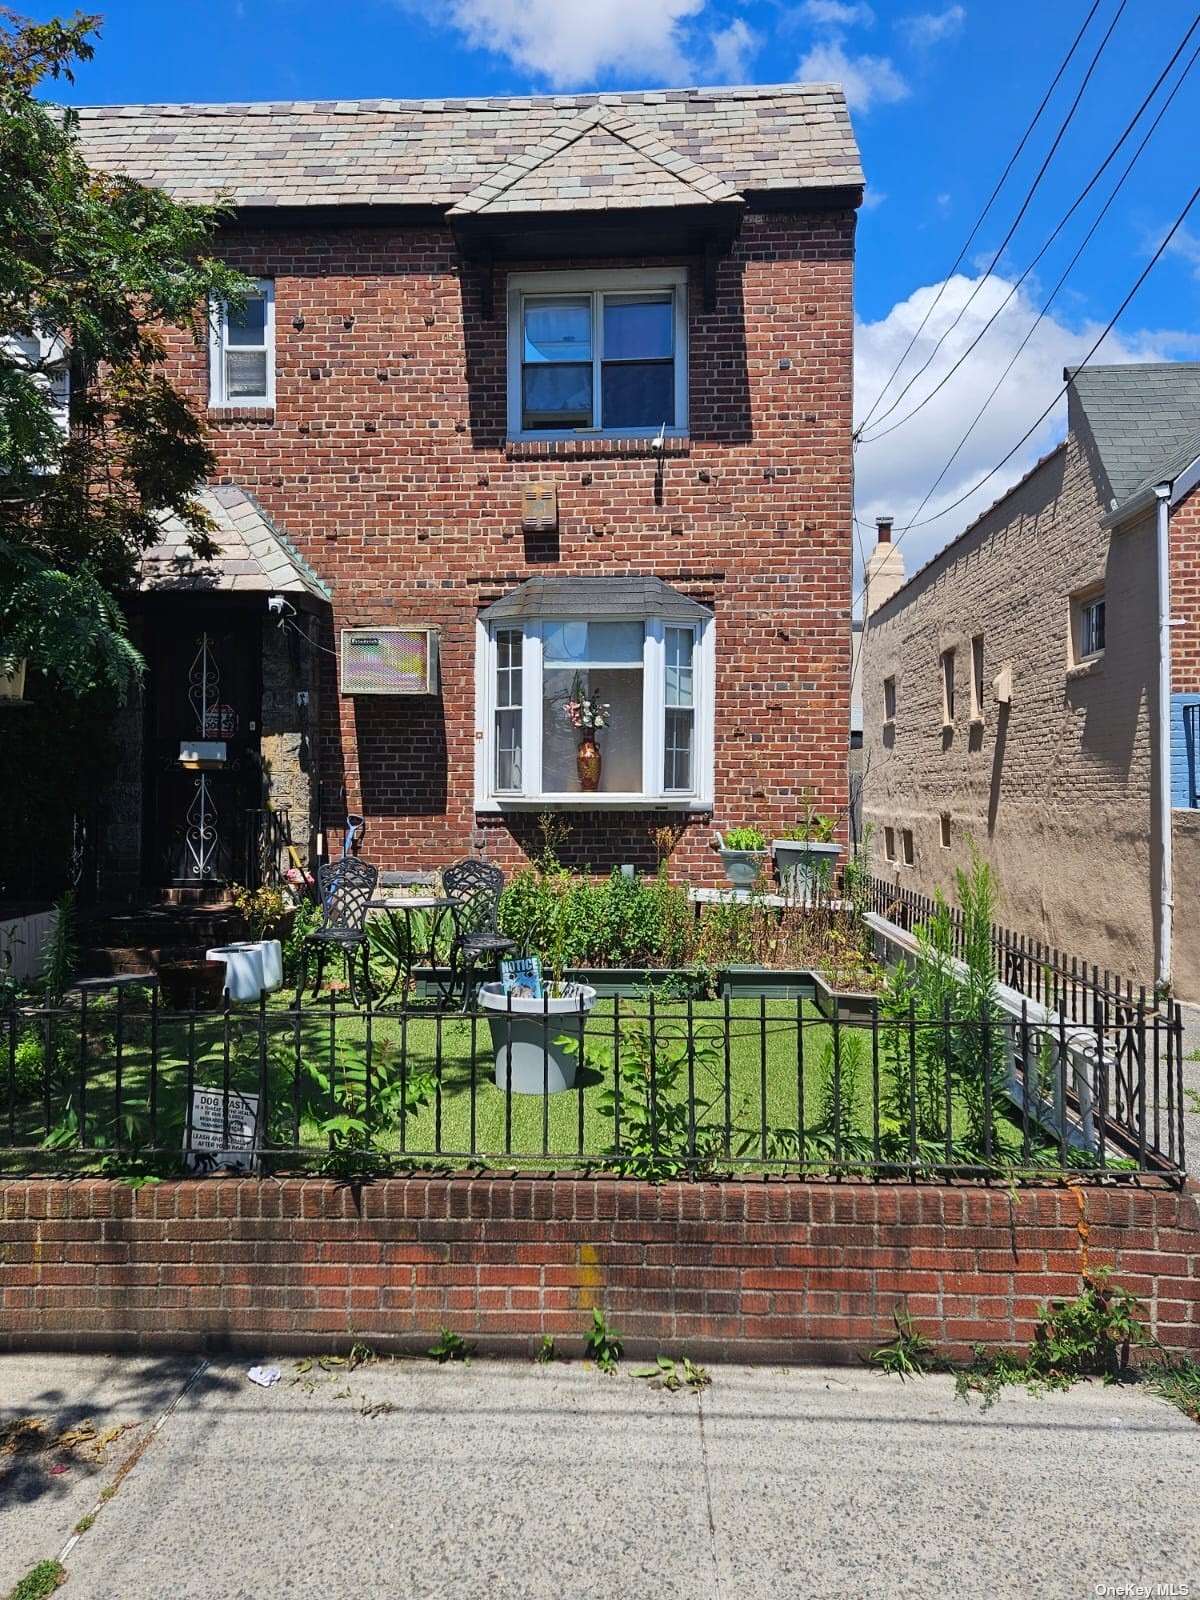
1166, 900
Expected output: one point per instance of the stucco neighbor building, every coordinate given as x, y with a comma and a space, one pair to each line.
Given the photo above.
1033, 692
532, 393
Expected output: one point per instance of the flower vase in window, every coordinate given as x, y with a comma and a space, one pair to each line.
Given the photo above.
587, 713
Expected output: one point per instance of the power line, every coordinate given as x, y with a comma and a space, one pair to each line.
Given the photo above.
987, 207
1016, 222
1082, 196
1037, 422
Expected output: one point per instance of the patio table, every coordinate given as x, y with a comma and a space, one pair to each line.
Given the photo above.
397, 907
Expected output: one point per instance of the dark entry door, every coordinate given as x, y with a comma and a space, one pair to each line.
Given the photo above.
203, 745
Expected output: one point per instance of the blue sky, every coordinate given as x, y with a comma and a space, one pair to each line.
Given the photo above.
940, 93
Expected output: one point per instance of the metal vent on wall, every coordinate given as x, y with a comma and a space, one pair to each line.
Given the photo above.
389, 661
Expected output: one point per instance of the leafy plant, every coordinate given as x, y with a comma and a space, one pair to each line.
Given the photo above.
1177, 1382
60, 953
40, 1581
450, 1346
655, 1136
545, 1352
1090, 1335
306, 920
361, 1103
744, 838
263, 908
815, 829
910, 1354
602, 1344
672, 1375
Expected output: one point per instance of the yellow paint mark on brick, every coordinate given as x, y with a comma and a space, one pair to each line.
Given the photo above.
591, 1278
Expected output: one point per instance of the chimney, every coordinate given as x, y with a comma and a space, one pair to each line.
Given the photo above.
885, 568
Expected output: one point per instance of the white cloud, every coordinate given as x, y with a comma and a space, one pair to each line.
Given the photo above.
837, 13
733, 49
1185, 245
570, 45
892, 475
867, 80
872, 198
928, 28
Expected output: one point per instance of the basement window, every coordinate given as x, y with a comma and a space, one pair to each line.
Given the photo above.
597, 354
241, 349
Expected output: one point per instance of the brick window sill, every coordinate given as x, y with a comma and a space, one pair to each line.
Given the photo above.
264, 415
638, 448
1086, 669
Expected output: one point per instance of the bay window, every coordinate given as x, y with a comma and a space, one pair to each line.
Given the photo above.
597, 353
638, 687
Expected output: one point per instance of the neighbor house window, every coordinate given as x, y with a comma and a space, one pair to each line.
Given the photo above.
947, 688
652, 679
906, 846
889, 699
889, 843
945, 830
1190, 798
977, 678
597, 353
242, 349
1087, 626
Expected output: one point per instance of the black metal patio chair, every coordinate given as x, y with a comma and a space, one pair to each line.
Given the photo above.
345, 889
472, 889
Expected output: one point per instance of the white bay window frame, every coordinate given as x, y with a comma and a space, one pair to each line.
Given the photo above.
654, 793
578, 284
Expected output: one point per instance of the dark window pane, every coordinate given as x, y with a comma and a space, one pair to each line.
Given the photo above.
677, 772
557, 397
558, 330
638, 394
247, 326
638, 326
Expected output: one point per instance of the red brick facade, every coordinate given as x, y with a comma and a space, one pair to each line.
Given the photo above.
781, 1271
385, 461
1185, 595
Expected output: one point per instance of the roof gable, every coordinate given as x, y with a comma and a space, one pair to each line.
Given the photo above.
592, 162
253, 555
1140, 416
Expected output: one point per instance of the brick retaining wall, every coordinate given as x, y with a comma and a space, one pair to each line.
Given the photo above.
778, 1271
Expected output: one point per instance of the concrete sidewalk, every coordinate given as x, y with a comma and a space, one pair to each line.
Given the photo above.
558, 1483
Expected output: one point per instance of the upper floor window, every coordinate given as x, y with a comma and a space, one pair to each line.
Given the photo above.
947, 688
889, 699
977, 678
242, 350
597, 353
1087, 626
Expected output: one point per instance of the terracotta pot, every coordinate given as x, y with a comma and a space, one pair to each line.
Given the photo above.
587, 759
180, 980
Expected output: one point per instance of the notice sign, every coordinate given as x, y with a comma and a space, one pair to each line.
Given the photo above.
222, 1140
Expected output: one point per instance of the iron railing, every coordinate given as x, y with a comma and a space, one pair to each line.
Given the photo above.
1042, 972
268, 835
662, 1088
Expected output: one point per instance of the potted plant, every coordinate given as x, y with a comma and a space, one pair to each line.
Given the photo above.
536, 1027
743, 851
805, 855
587, 713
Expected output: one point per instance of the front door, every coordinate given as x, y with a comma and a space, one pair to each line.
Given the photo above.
204, 777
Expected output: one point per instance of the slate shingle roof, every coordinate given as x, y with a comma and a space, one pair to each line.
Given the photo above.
1140, 415
698, 143
254, 555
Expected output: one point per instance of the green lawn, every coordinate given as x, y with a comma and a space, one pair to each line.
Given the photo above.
772, 1075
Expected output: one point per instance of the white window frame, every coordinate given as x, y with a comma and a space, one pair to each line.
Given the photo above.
597, 284
218, 311
653, 792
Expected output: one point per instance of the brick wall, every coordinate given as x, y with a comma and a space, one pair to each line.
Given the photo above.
1057, 786
780, 1271
385, 461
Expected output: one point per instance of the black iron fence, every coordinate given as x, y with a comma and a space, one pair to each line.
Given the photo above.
1045, 974
111, 1080
268, 836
